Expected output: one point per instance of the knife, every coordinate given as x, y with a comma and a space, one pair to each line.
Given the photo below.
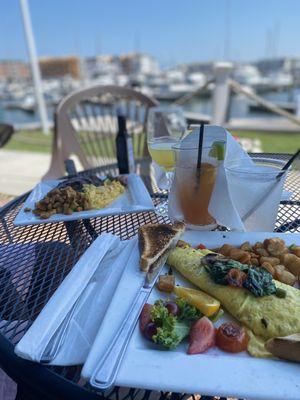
105, 375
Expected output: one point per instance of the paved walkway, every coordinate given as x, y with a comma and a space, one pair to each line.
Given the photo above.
20, 171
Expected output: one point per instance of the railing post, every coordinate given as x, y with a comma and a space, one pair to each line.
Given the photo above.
221, 95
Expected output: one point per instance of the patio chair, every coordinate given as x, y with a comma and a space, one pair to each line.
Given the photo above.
6, 132
86, 126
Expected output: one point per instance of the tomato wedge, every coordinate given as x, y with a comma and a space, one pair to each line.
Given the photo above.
201, 246
232, 338
202, 336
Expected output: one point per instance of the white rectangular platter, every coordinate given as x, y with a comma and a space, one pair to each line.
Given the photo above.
135, 199
215, 372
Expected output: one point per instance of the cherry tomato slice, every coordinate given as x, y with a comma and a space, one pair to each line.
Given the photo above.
201, 246
232, 338
236, 277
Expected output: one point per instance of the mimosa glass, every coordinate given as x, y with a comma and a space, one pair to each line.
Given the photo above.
165, 128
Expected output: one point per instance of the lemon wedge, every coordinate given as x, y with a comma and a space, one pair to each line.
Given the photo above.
205, 303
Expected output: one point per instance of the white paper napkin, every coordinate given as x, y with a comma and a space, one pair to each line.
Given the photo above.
235, 195
160, 176
129, 284
92, 282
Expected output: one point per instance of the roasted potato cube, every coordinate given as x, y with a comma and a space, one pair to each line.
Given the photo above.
166, 283
40, 206
278, 270
254, 261
272, 260
225, 249
295, 250
261, 252
239, 255
246, 246
269, 267
182, 243
258, 245
44, 215
286, 277
275, 246
292, 263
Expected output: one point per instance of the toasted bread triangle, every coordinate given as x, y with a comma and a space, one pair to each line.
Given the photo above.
155, 239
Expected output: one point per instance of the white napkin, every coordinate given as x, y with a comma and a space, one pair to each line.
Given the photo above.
234, 196
130, 282
160, 176
92, 282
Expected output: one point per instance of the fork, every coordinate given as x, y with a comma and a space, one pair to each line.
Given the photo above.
58, 338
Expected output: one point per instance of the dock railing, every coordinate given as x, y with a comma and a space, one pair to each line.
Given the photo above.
224, 88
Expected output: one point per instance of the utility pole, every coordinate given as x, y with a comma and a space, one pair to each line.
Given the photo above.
34, 66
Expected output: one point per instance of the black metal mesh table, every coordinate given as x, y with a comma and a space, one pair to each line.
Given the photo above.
35, 259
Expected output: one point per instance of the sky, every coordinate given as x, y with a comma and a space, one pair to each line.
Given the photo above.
173, 31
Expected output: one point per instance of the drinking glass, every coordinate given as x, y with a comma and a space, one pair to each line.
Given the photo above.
165, 128
194, 186
260, 206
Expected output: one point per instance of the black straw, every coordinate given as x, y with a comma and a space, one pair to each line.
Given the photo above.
288, 164
200, 145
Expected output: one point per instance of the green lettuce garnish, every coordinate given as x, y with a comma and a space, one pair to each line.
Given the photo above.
187, 311
171, 335
173, 329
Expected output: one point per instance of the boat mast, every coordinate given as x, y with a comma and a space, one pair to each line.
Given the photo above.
227, 31
35, 70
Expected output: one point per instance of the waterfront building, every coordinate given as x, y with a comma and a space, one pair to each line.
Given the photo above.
105, 64
58, 67
139, 63
12, 70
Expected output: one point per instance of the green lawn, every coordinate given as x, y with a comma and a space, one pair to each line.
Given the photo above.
274, 142
34, 141
271, 142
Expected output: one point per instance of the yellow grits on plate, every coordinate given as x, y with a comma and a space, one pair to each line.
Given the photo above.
102, 196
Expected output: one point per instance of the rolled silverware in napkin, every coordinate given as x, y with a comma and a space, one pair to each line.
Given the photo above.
80, 303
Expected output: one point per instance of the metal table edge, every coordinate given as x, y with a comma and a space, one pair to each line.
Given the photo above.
22, 371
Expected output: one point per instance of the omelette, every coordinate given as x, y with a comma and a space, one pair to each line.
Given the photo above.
265, 317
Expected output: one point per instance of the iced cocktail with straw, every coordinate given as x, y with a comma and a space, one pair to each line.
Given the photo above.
194, 183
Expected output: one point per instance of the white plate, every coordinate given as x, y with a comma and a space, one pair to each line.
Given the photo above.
212, 373
135, 199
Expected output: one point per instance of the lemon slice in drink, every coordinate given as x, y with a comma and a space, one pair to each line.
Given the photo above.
218, 150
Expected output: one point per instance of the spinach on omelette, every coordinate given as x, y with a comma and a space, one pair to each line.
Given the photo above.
257, 280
